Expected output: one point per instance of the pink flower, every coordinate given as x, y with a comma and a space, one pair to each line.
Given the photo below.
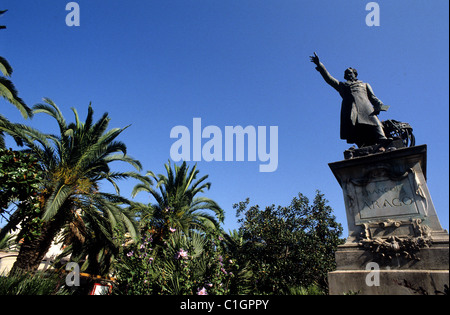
182, 254
172, 230
202, 292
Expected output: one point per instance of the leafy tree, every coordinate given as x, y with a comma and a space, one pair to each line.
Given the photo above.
74, 163
289, 246
20, 177
177, 206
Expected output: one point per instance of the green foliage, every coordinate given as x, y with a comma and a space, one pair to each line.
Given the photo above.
310, 290
278, 250
7, 242
182, 249
186, 264
20, 178
289, 246
33, 284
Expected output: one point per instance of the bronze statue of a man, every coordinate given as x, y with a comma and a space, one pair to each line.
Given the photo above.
360, 107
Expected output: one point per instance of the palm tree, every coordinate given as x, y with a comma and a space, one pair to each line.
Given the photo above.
75, 162
177, 206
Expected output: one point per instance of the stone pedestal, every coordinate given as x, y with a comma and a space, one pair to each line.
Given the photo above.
396, 244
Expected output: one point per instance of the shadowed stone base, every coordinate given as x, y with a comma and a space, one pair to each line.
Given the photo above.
363, 272
389, 282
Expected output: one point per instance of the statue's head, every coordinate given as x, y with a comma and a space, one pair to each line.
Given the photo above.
350, 74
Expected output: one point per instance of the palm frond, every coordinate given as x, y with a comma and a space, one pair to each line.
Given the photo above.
56, 200
5, 67
9, 92
50, 108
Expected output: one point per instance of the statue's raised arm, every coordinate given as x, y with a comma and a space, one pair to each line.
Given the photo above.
323, 71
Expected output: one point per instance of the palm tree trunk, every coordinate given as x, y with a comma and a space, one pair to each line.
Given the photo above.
33, 250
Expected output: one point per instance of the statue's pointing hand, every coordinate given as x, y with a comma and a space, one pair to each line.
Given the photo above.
315, 59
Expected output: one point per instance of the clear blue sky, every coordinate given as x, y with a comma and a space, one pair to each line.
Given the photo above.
160, 63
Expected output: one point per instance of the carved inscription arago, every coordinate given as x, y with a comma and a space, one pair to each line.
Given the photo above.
396, 202
384, 196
